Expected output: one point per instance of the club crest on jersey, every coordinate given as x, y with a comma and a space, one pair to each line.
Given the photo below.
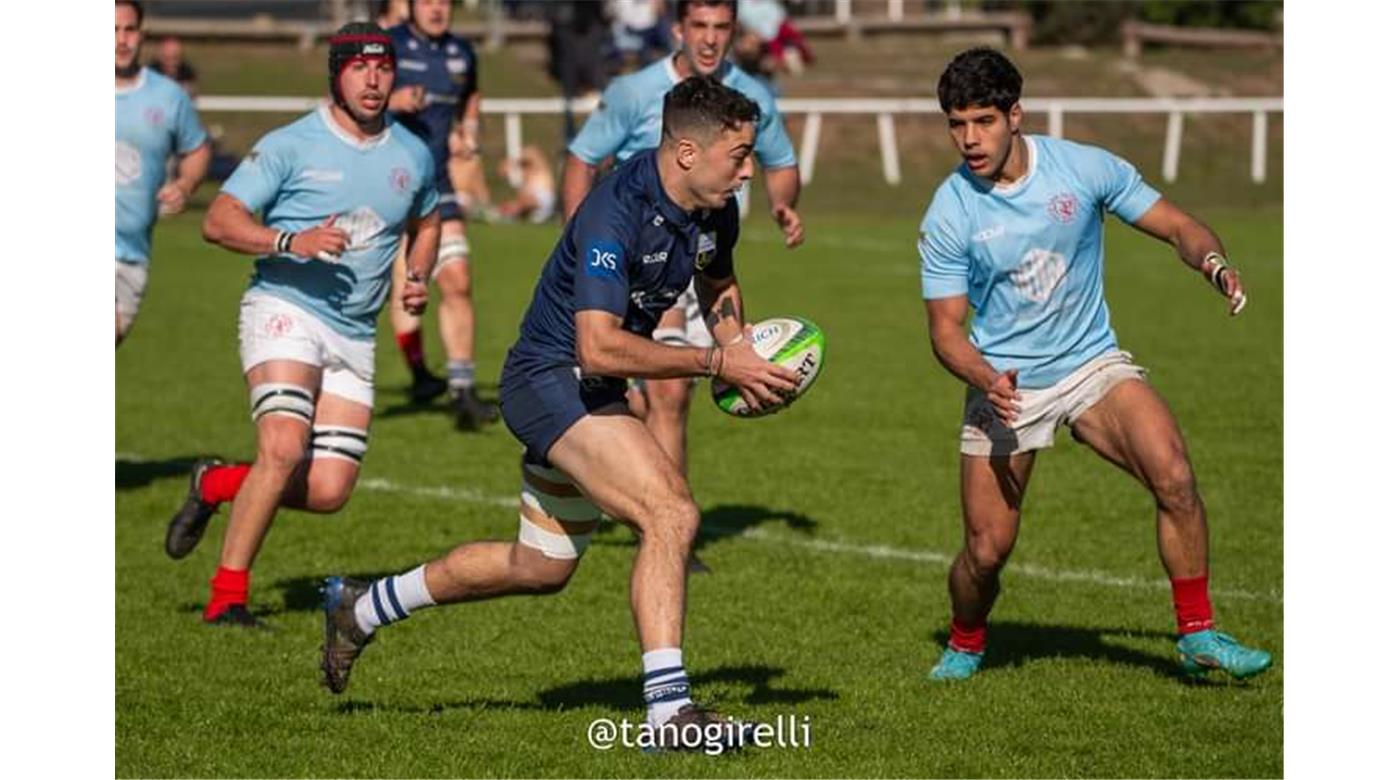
155, 116
399, 180
704, 250
1062, 207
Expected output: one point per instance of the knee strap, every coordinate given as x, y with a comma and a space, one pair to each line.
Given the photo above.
284, 399
338, 441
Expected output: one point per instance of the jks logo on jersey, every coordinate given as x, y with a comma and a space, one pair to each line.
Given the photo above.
704, 250
1063, 207
602, 260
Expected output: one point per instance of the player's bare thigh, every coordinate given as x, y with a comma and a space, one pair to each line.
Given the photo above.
612, 457
1132, 427
282, 437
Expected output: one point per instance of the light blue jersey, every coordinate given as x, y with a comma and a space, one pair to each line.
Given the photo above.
154, 120
1029, 256
628, 119
299, 175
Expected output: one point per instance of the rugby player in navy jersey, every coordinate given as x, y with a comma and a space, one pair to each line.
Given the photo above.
663, 218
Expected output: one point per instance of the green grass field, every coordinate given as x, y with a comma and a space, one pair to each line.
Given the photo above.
829, 528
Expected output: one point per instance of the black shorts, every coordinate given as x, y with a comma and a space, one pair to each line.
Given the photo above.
448, 207
539, 405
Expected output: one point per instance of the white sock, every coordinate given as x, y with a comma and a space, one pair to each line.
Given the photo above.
392, 599
665, 687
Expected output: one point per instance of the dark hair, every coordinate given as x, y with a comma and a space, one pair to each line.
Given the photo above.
135, 6
979, 77
702, 108
683, 7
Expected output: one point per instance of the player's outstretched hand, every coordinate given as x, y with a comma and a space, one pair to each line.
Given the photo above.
325, 241
415, 296
790, 222
1004, 396
761, 384
172, 198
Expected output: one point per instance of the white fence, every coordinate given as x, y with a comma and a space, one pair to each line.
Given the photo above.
884, 110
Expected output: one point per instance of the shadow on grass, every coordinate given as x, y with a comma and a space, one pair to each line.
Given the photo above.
303, 594
140, 473
621, 694
718, 522
1012, 644
441, 405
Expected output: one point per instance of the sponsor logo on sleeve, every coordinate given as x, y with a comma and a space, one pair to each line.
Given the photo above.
603, 259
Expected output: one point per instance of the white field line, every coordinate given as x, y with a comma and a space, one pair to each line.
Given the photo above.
878, 551
875, 551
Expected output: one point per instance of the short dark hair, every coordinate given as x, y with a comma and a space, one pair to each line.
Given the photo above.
135, 6
979, 77
702, 107
683, 7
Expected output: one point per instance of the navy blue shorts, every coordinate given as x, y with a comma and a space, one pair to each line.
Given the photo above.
540, 404
448, 207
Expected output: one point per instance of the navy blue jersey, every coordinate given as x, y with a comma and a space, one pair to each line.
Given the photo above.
628, 250
446, 69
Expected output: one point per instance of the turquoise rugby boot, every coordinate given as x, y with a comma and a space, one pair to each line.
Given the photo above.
1202, 651
955, 665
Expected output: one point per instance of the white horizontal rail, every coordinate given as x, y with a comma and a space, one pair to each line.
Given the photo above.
884, 110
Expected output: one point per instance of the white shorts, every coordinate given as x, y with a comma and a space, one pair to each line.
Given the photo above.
1043, 410
131, 287
693, 333
270, 328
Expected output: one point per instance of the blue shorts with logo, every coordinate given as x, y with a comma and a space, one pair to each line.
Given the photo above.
539, 404
448, 207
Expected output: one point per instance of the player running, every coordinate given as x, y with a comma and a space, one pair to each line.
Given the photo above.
436, 97
628, 121
154, 120
662, 219
1016, 234
336, 192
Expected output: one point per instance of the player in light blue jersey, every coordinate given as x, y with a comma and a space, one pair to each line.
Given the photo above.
337, 191
155, 120
1015, 235
628, 121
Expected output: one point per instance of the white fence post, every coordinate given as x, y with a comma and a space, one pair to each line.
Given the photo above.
513, 145
811, 134
1171, 154
843, 11
1057, 120
896, 10
889, 152
1260, 148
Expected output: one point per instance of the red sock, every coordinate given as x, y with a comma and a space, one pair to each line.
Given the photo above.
221, 483
968, 637
1191, 597
227, 587
411, 345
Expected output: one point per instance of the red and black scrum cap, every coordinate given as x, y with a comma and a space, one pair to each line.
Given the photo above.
358, 40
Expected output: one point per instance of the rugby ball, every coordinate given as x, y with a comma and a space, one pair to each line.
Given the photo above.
793, 342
